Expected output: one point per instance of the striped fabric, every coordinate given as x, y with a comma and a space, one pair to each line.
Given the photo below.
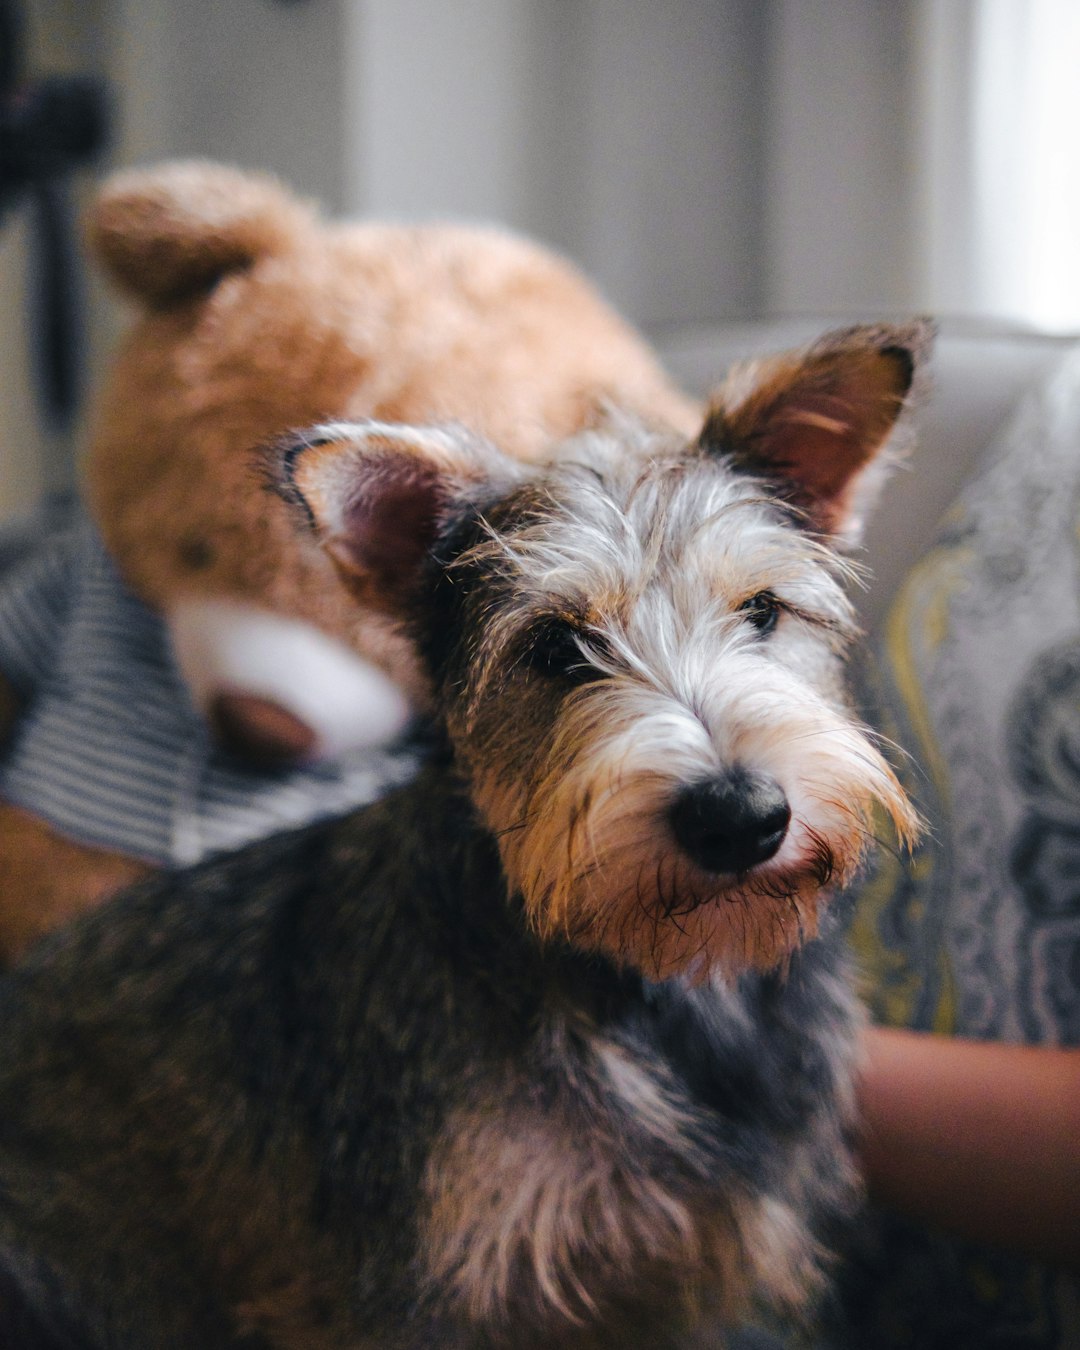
111, 750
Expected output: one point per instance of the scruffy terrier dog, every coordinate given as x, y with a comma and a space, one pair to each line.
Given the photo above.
538, 1051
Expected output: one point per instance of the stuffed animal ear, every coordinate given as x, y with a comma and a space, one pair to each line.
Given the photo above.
167, 233
379, 496
816, 423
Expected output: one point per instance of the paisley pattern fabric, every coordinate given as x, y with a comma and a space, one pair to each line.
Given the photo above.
980, 936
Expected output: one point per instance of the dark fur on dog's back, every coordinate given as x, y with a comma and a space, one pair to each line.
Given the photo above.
305, 1057
535, 1052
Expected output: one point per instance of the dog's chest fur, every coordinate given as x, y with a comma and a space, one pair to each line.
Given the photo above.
530, 1140
589, 1179
562, 1140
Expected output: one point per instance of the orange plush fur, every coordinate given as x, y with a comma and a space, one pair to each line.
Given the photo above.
254, 317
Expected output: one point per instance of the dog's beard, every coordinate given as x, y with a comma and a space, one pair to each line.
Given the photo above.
589, 846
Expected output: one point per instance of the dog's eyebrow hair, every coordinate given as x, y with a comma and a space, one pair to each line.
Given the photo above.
586, 624
840, 627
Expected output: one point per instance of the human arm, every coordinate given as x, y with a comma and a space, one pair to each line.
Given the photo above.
981, 1139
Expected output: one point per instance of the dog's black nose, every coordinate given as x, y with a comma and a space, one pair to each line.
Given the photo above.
731, 822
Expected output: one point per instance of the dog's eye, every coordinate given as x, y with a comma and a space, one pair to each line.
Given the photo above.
762, 610
556, 650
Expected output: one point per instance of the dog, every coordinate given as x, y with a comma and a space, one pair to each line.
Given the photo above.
554, 1046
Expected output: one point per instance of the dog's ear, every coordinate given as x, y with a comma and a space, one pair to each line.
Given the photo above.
170, 232
815, 423
380, 496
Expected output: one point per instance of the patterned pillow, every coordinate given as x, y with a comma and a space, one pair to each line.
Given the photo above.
980, 935
981, 686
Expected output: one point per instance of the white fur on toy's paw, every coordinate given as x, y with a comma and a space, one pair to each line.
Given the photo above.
277, 690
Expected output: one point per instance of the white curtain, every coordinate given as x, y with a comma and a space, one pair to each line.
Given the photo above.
999, 156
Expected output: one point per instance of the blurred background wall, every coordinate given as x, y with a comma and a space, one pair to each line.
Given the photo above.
704, 160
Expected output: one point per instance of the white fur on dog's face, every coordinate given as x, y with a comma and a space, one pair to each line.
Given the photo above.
652, 556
